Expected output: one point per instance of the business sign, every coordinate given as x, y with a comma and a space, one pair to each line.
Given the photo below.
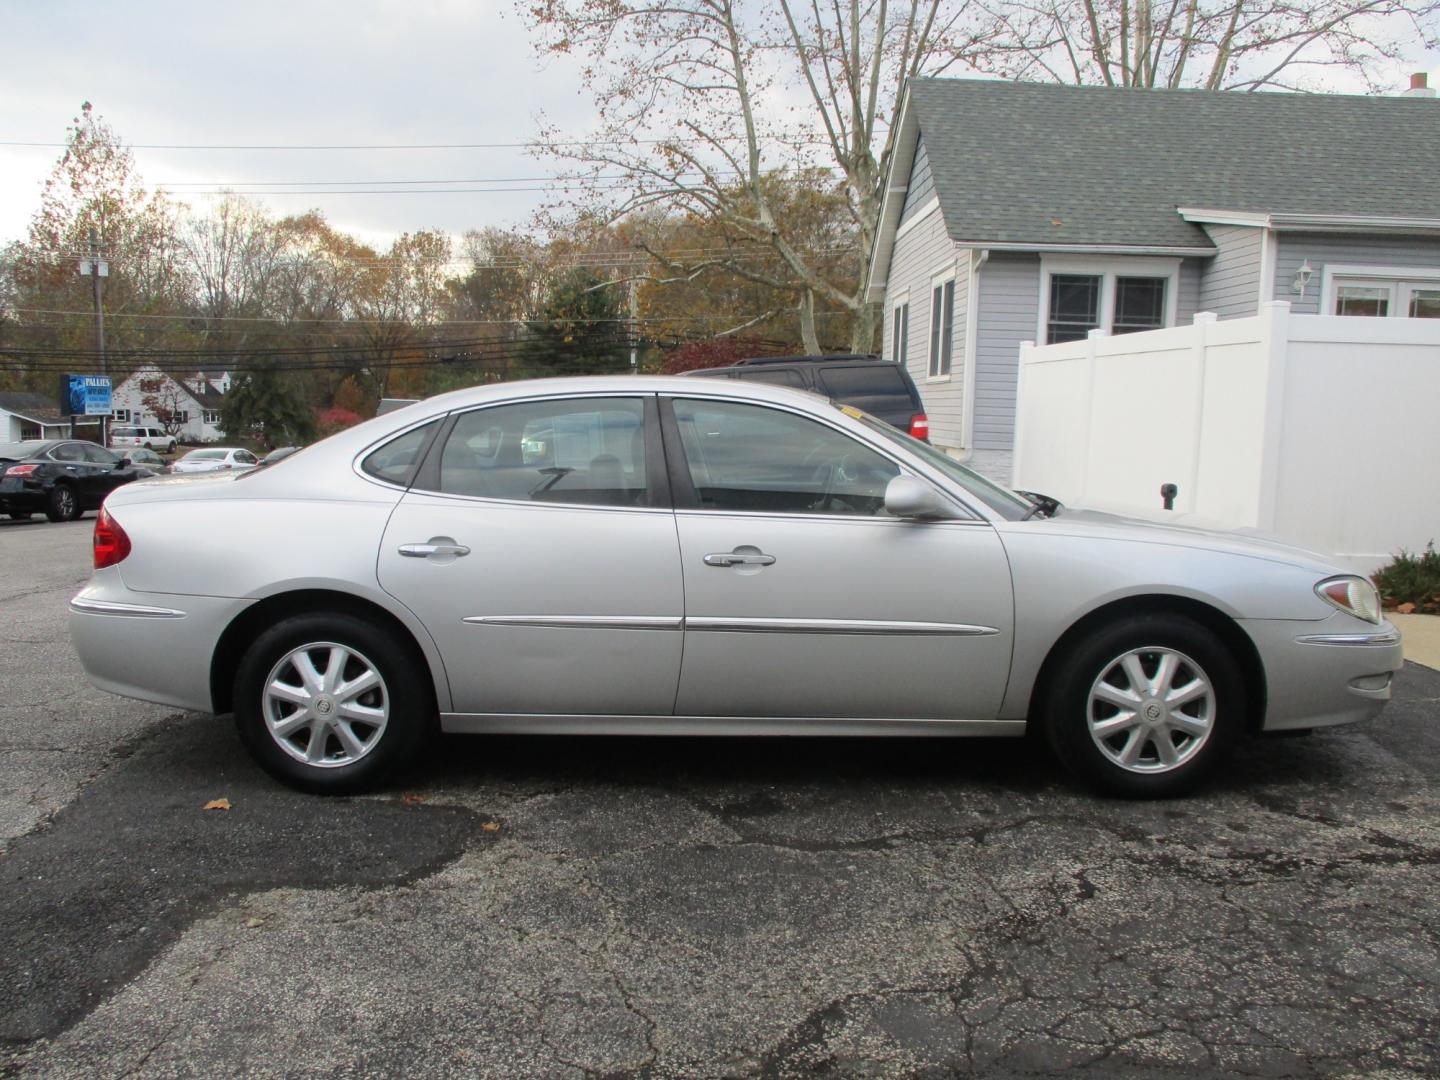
85, 395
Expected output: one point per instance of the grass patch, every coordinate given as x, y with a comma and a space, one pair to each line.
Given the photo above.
1412, 579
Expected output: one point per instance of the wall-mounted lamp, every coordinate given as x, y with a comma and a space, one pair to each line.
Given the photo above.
1302, 277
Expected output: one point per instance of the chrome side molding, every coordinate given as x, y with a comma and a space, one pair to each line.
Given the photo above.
1380, 637
88, 606
737, 626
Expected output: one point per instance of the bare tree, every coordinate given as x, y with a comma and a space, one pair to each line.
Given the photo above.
708, 105
1214, 44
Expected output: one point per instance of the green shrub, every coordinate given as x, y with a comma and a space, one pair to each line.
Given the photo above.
1412, 579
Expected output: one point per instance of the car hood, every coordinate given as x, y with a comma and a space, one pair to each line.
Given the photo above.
1188, 531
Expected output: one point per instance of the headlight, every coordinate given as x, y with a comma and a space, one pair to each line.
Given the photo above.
1352, 595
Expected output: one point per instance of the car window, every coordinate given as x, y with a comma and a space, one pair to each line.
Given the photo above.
123, 433
204, 455
589, 451
872, 386
99, 455
752, 458
245, 457
775, 376
68, 452
395, 462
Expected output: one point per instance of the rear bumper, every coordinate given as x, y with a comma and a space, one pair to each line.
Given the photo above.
1320, 674
152, 646
17, 495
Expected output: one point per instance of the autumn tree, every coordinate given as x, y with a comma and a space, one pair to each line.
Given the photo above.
1211, 44
703, 103
94, 191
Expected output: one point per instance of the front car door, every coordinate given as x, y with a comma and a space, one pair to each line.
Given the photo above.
803, 599
538, 546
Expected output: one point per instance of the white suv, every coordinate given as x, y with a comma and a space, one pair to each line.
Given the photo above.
151, 438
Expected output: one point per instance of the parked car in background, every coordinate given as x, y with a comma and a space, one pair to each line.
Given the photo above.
150, 438
215, 459
879, 387
61, 478
146, 460
702, 556
280, 453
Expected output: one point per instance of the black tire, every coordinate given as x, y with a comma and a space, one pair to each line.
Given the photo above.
1198, 658
63, 504
405, 691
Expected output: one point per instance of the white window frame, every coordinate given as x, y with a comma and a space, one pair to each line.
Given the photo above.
210, 416
1107, 268
1400, 280
934, 347
120, 416
900, 301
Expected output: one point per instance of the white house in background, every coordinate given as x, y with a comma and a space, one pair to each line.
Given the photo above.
188, 405
1028, 212
33, 416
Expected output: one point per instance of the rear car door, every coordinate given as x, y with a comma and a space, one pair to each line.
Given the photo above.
538, 546
804, 599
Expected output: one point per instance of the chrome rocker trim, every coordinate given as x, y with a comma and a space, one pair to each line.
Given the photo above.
87, 606
565, 724
1380, 638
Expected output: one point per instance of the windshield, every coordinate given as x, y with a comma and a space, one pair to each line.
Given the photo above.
1004, 502
17, 450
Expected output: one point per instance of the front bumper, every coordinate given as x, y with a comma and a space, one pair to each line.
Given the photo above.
1320, 674
152, 646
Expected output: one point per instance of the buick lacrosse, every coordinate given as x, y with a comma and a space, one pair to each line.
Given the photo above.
664, 555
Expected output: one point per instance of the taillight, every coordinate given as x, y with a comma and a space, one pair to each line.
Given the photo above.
920, 427
111, 543
20, 470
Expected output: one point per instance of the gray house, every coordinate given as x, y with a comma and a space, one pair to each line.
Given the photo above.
1035, 212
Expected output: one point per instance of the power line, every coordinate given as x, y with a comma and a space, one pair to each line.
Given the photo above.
533, 144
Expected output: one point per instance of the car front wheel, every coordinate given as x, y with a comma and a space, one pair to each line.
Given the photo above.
1146, 707
331, 703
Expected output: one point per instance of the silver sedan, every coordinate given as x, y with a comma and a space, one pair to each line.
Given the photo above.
664, 555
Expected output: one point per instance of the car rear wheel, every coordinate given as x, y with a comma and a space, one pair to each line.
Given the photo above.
330, 703
1146, 707
63, 504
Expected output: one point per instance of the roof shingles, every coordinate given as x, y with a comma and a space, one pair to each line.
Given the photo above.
1038, 163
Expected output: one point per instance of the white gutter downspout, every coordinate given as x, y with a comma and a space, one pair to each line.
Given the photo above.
978, 258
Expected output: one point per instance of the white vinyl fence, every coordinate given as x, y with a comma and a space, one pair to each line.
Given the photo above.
1322, 429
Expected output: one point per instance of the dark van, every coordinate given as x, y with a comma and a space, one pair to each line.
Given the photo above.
881, 388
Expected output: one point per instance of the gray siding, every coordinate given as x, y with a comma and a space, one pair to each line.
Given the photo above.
1231, 285
1321, 249
921, 188
1187, 302
923, 252
1009, 309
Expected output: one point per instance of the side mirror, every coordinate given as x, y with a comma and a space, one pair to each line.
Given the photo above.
911, 497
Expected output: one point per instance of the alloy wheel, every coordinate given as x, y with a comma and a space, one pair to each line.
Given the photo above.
1151, 710
326, 705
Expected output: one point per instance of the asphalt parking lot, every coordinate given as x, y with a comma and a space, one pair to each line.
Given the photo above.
555, 907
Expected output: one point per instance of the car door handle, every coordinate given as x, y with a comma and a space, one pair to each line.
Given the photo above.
739, 558
436, 545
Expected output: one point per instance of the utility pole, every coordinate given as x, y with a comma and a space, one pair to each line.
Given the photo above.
634, 326
97, 269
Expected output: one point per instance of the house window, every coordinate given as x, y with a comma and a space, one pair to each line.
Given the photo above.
120, 416
1074, 306
1118, 295
211, 416
1379, 293
900, 343
1139, 304
942, 327
180, 416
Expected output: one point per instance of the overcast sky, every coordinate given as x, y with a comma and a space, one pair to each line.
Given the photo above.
296, 73
272, 72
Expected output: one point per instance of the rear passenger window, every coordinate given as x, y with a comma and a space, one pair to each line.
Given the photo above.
780, 376
870, 387
396, 461
589, 451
